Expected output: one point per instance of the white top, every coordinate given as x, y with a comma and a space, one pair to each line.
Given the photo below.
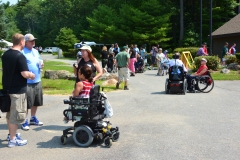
177, 62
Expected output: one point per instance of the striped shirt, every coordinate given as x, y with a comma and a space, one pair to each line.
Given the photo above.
86, 89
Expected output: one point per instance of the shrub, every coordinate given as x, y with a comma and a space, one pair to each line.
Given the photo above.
1, 52
192, 50
238, 57
213, 62
71, 53
230, 59
170, 55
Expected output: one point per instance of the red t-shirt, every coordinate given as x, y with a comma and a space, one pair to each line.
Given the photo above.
205, 50
201, 68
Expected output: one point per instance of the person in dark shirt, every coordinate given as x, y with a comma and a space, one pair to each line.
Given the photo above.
104, 56
16, 86
91, 61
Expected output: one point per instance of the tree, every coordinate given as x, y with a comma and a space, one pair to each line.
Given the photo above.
3, 29
65, 39
181, 23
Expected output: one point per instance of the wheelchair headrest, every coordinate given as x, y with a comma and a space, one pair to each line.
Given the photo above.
94, 92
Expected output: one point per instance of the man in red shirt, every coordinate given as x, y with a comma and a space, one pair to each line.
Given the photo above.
201, 71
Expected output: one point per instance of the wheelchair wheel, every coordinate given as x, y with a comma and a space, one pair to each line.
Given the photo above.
115, 136
108, 142
184, 86
166, 86
82, 136
205, 84
64, 139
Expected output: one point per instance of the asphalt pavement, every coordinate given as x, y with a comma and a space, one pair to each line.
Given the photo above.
153, 125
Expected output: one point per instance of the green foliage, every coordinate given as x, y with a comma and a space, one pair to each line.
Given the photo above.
3, 29
1, 52
212, 62
192, 50
71, 53
238, 57
3, 44
170, 55
65, 39
230, 59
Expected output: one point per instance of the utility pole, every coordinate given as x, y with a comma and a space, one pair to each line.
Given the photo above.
200, 22
210, 48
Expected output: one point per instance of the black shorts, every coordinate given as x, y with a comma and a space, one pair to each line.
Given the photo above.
153, 60
34, 95
104, 62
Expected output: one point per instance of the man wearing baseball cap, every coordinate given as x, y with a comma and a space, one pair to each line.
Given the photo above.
34, 87
201, 71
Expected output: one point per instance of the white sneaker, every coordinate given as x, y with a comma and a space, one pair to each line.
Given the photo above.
16, 142
18, 136
25, 125
35, 121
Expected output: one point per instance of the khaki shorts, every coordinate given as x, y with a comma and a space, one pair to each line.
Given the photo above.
18, 109
123, 74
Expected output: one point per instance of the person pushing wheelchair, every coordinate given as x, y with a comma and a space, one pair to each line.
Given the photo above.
202, 70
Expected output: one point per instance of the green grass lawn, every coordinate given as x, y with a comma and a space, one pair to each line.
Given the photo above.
233, 75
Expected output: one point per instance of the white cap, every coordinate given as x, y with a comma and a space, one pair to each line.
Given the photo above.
29, 37
203, 59
86, 47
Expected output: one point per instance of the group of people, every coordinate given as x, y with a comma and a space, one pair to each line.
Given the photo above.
24, 86
225, 51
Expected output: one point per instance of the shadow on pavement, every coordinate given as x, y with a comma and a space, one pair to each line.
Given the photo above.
50, 127
55, 142
162, 92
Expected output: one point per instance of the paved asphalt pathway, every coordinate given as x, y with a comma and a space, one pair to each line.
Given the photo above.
153, 125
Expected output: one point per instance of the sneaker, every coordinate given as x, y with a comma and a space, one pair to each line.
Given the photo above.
126, 88
16, 142
35, 121
25, 126
18, 136
117, 85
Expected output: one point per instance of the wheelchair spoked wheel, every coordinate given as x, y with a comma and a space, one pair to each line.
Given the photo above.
205, 84
82, 136
64, 139
166, 86
184, 86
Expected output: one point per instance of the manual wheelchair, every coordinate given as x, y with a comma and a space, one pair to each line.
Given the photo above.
202, 83
176, 83
89, 120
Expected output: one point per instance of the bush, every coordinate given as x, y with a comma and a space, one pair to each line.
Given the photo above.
1, 52
192, 50
238, 57
71, 53
170, 55
230, 59
212, 62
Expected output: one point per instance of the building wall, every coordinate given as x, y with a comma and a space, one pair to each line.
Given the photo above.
218, 44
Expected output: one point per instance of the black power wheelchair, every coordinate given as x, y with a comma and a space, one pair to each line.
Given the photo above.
202, 83
91, 124
177, 82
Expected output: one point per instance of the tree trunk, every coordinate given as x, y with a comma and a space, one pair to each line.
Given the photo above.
181, 24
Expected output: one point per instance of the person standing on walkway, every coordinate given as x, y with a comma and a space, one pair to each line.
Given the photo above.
104, 56
224, 52
232, 49
91, 61
133, 59
16, 85
122, 61
34, 87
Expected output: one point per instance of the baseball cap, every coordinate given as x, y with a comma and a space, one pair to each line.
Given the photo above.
125, 47
86, 47
29, 37
203, 59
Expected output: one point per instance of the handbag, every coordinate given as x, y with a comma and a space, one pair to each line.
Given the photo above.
5, 101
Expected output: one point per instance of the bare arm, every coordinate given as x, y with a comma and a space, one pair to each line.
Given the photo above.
99, 70
201, 73
78, 89
28, 75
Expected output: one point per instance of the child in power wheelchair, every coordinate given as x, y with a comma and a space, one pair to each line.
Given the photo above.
88, 107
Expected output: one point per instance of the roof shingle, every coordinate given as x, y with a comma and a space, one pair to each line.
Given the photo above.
230, 27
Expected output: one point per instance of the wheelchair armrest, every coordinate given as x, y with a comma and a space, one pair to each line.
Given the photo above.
65, 101
79, 98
